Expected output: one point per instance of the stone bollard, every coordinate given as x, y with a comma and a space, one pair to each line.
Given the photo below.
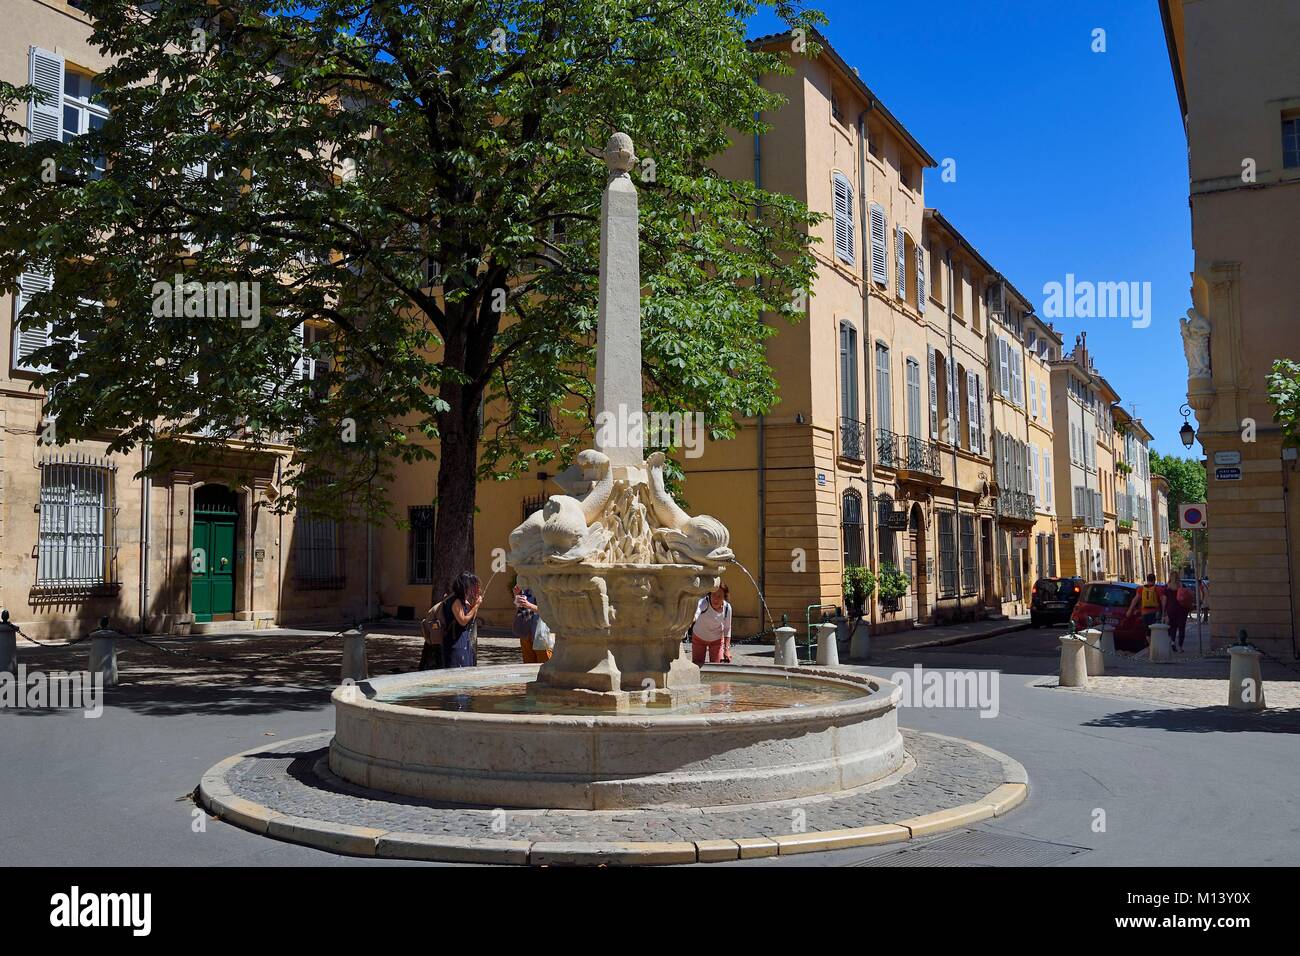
355, 666
8, 644
828, 650
1092, 653
786, 654
860, 641
1245, 683
1159, 649
1108, 640
1074, 667
103, 653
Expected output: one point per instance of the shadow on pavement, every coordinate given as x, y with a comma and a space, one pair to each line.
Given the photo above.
1205, 720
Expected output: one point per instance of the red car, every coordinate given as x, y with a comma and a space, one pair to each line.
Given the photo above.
1109, 601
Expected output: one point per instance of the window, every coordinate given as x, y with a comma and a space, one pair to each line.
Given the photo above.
317, 548
75, 545
1291, 142
421, 544
848, 371
969, 557
920, 279
888, 552
837, 112
936, 275
900, 261
1004, 367
884, 403
914, 399
934, 392
851, 528
879, 257
843, 218
947, 555
1047, 481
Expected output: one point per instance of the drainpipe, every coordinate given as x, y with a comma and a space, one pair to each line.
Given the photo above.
762, 422
146, 449
867, 349
954, 389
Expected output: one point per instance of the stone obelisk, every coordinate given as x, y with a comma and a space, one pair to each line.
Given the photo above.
618, 341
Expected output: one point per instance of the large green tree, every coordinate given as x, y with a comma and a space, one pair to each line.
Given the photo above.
327, 153
1186, 477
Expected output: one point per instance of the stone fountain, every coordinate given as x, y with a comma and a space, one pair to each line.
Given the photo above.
619, 717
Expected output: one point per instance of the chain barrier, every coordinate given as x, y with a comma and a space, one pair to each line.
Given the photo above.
28, 637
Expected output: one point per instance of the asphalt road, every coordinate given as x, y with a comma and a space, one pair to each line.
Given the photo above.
1169, 783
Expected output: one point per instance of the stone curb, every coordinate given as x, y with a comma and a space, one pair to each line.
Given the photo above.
216, 796
964, 638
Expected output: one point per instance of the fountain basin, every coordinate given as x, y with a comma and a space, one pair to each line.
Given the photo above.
769, 733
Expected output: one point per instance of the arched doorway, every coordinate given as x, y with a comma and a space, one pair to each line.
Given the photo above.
212, 554
920, 576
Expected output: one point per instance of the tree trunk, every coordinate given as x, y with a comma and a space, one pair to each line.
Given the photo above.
453, 531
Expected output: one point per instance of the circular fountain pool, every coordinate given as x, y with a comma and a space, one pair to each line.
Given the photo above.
473, 736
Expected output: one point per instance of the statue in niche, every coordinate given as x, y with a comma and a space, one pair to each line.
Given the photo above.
1196, 343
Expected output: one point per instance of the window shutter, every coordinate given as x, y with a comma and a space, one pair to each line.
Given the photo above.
1042, 399
843, 218
1033, 397
1034, 473
934, 393
304, 368
954, 416
979, 399
1004, 366
1017, 386
28, 340
884, 403
900, 256
45, 110
1047, 480
972, 415
879, 256
920, 280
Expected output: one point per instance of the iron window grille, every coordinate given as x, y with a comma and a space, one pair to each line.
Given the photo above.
969, 555
317, 548
851, 528
76, 547
421, 544
947, 555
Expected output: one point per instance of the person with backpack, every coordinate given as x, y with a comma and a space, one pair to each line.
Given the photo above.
1148, 600
711, 632
1178, 604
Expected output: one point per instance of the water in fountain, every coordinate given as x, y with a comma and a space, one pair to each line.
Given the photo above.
768, 614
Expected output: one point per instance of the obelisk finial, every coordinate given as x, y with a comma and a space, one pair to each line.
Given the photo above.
618, 337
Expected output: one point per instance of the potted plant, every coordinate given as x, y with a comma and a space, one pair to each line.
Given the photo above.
859, 584
893, 584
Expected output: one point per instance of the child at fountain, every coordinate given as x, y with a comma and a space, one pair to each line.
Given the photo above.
711, 632
534, 636
460, 616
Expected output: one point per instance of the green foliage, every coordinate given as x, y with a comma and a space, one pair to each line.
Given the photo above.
460, 134
859, 584
1186, 477
1283, 381
893, 583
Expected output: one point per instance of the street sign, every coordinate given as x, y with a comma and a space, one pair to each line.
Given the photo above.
1227, 458
1191, 517
1227, 474
821, 479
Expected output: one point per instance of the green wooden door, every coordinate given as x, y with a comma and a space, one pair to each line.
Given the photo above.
212, 560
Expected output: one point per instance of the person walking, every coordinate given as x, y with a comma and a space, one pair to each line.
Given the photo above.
711, 632
535, 639
460, 620
1148, 599
1178, 602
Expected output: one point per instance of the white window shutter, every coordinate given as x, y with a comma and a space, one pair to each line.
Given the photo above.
45, 110
1004, 363
954, 391
304, 366
28, 340
979, 398
920, 279
900, 257
879, 255
934, 394
844, 240
972, 416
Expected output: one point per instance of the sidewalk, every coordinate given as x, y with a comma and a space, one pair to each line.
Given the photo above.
947, 634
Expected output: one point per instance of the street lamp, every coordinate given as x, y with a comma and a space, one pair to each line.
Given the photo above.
1186, 433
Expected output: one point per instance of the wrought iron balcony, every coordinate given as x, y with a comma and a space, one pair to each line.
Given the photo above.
908, 454
1016, 504
853, 442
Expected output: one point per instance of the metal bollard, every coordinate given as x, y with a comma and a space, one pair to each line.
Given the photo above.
828, 650
355, 666
1074, 667
1092, 653
787, 653
1245, 681
1160, 648
8, 644
103, 653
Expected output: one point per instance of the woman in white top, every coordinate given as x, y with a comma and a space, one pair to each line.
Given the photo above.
711, 632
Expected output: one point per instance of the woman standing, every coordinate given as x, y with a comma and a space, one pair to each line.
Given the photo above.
1178, 601
535, 639
460, 616
711, 632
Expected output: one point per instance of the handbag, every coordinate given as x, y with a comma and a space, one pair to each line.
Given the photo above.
543, 639
522, 626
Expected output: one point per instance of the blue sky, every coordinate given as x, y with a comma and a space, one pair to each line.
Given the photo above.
1067, 161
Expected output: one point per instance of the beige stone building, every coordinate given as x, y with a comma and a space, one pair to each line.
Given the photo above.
1238, 82
1080, 411
81, 534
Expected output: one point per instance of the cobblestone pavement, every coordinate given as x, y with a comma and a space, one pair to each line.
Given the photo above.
286, 779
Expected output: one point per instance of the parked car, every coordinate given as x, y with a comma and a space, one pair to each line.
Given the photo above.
1108, 601
1052, 600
